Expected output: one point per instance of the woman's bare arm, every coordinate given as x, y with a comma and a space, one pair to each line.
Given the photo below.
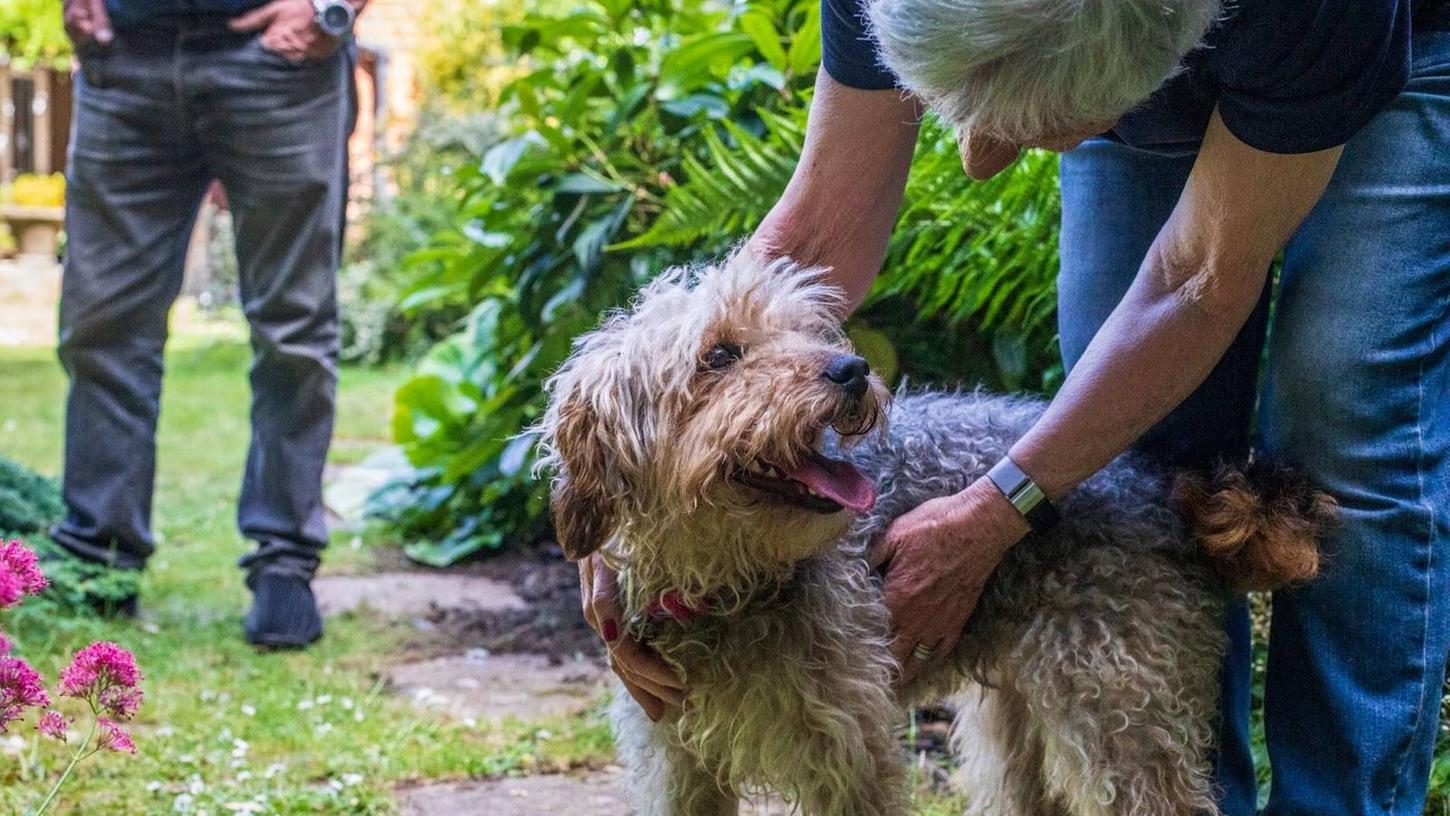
1196, 288
842, 201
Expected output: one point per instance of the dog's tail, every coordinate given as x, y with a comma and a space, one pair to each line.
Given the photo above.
1260, 525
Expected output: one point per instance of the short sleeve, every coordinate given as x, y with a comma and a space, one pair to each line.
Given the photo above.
847, 53
1296, 76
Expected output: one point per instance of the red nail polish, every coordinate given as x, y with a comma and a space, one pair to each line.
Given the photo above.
611, 630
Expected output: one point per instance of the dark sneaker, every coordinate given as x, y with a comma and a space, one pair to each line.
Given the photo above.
284, 612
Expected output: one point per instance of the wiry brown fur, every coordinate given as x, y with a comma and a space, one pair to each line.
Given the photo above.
1259, 524
1088, 675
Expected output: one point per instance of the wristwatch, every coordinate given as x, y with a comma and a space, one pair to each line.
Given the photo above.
1025, 495
335, 17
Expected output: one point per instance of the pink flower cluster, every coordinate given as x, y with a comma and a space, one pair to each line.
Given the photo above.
102, 674
114, 738
52, 724
20, 688
20, 573
20, 685
98, 668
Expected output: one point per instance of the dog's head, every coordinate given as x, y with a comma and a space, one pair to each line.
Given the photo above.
692, 424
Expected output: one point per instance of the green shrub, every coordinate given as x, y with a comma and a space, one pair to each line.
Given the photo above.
29, 505
378, 321
611, 97
638, 135
31, 33
29, 502
461, 67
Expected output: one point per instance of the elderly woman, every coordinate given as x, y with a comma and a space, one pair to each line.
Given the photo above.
1199, 139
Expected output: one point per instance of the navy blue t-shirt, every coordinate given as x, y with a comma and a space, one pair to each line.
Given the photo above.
1288, 76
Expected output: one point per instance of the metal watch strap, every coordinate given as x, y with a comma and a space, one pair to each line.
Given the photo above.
1025, 495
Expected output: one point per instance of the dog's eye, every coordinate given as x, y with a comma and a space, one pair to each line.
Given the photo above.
721, 355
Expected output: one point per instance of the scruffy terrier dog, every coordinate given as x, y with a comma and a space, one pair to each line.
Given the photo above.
727, 452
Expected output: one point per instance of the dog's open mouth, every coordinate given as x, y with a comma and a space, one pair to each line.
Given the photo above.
816, 482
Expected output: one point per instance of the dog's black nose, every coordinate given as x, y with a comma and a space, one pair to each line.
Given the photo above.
849, 372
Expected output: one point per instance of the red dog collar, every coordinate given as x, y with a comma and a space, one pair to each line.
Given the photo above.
672, 605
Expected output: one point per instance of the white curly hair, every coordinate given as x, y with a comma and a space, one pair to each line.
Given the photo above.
1023, 70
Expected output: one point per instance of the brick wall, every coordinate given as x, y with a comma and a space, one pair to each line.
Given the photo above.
388, 35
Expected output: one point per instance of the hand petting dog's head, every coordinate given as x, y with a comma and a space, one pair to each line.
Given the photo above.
691, 424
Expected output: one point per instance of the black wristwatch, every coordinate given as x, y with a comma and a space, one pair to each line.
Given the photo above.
1025, 495
335, 17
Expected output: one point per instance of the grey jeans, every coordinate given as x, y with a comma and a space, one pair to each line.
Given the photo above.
159, 114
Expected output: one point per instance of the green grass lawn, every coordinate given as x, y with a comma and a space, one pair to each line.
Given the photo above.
226, 729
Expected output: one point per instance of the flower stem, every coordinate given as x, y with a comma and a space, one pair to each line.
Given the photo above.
74, 760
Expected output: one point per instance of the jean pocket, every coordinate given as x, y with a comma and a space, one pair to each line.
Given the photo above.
284, 61
91, 58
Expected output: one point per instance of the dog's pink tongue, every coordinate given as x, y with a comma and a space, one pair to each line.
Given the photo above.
838, 481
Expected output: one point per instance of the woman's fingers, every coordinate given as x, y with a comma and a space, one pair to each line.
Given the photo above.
604, 601
653, 706
643, 664
924, 628
651, 681
100, 22
939, 648
635, 657
664, 694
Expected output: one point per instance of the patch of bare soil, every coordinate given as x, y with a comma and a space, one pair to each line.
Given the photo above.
550, 622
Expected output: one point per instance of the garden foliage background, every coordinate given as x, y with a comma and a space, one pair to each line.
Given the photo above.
618, 138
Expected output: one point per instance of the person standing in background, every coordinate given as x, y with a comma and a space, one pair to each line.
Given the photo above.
171, 95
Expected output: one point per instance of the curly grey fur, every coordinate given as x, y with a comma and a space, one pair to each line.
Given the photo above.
1097, 645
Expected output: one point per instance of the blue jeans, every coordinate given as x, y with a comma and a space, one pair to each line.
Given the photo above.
159, 113
1357, 393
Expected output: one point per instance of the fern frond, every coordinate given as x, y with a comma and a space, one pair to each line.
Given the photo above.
726, 194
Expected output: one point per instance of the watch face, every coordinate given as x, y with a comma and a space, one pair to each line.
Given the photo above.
335, 17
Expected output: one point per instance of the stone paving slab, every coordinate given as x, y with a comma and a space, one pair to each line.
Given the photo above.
407, 594
487, 686
597, 794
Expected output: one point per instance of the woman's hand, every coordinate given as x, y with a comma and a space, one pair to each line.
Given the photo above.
937, 560
649, 679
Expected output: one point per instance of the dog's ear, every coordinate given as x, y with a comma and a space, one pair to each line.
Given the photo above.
580, 500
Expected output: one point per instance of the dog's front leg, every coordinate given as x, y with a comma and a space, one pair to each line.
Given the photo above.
861, 777
664, 778
849, 761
